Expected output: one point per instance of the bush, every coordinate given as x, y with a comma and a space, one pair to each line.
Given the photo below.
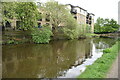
107, 50
10, 42
77, 31
13, 42
71, 34
41, 35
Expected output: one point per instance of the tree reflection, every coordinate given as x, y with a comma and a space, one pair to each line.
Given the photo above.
46, 60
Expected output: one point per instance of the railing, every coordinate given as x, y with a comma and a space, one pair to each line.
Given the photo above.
73, 11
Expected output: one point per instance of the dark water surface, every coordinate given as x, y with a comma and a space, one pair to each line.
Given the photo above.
57, 59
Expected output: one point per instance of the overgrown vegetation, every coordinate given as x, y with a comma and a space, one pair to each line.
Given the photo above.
108, 50
8, 11
56, 12
60, 17
25, 12
41, 35
106, 26
70, 28
71, 34
13, 42
101, 66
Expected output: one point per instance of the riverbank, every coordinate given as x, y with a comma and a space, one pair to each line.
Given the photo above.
101, 66
110, 35
21, 37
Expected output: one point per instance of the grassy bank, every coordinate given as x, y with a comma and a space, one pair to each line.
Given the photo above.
102, 65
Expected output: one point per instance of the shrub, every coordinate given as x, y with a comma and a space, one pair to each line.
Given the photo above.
71, 34
10, 42
107, 50
77, 31
13, 42
41, 35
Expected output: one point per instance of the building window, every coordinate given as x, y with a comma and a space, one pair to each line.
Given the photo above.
90, 22
40, 17
90, 17
47, 24
87, 21
7, 24
39, 25
47, 17
18, 24
75, 17
74, 11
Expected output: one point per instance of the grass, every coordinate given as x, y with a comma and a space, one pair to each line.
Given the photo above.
101, 66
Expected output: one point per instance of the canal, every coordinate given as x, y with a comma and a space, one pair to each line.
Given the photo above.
58, 59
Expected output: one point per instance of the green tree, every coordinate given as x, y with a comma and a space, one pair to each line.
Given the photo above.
56, 12
59, 14
106, 25
27, 13
99, 23
71, 28
8, 11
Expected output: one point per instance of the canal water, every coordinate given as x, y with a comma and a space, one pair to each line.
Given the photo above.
59, 59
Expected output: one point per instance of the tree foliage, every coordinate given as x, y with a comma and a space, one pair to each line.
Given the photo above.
41, 35
53, 9
60, 14
26, 12
71, 28
106, 25
8, 11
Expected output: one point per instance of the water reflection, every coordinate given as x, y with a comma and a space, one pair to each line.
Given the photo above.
47, 60
102, 43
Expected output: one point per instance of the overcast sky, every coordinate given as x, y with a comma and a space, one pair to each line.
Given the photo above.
101, 8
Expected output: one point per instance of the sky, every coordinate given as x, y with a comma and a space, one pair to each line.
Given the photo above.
101, 8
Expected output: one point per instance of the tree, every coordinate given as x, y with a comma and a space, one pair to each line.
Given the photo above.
59, 14
8, 11
99, 23
27, 13
106, 25
54, 10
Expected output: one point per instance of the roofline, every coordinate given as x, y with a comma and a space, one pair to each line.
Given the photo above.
92, 14
80, 8
76, 6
